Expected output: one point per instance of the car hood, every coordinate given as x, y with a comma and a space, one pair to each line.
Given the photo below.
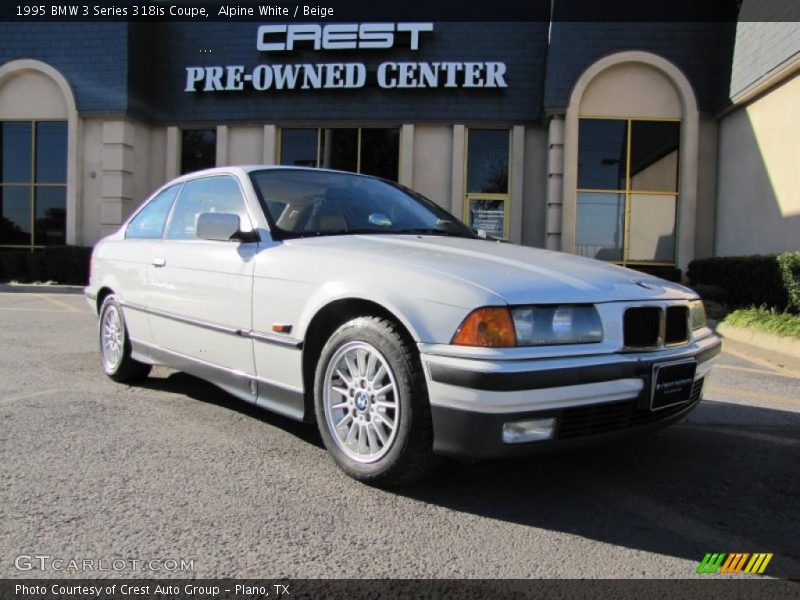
518, 274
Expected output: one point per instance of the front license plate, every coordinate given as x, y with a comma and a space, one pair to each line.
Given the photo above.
672, 383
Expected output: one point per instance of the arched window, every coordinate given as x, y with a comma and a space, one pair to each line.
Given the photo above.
38, 122
630, 163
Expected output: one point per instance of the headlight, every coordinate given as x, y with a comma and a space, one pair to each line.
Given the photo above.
697, 313
500, 327
565, 324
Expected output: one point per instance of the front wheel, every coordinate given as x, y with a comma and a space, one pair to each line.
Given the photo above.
372, 405
115, 347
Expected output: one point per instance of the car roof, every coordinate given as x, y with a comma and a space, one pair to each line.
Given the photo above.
244, 169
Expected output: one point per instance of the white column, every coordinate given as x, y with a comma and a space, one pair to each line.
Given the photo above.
222, 145
75, 210
457, 172
270, 156
516, 195
173, 168
687, 200
117, 175
406, 174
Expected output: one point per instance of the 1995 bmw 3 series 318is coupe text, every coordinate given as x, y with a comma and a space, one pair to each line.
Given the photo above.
356, 303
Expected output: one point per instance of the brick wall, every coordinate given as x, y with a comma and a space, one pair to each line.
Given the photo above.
702, 50
92, 56
762, 46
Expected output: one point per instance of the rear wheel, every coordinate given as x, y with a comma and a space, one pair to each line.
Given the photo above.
372, 405
115, 347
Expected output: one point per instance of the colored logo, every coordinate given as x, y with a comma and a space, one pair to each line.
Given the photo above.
737, 562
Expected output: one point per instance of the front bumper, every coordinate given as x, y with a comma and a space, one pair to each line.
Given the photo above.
592, 398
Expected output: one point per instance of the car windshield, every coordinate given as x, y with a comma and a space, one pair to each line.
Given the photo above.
303, 203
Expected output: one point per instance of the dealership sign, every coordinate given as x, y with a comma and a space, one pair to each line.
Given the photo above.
343, 75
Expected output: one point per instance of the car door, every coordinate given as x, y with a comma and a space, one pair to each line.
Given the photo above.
201, 290
132, 259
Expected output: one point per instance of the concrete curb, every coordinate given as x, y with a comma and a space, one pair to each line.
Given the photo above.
8, 288
760, 339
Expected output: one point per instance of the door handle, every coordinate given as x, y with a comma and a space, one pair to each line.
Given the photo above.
159, 261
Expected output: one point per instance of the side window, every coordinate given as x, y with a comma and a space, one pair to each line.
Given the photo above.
149, 223
206, 195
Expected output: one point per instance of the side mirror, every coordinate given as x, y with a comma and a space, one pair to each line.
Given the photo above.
223, 227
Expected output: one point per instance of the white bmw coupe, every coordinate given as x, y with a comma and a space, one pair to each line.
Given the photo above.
356, 303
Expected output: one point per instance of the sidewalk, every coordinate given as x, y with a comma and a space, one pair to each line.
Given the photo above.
779, 350
39, 288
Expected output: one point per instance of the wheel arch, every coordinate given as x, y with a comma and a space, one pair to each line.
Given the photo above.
328, 319
103, 293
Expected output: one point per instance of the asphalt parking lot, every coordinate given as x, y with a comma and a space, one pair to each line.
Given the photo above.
176, 468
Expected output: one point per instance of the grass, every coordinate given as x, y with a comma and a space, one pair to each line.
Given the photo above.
768, 320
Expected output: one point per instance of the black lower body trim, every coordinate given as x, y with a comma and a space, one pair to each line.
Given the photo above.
549, 378
286, 401
467, 434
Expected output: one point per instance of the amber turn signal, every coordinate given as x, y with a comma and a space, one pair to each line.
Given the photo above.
490, 327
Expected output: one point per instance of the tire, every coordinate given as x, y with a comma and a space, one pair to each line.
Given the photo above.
115, 346
385, 433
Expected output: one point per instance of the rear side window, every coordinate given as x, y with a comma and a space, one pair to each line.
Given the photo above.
206, 195
149, 223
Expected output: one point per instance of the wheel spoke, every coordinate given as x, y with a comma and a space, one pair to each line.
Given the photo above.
372, 439
346, 380
385, 420
362, 364
371, 361
360, 401
362, 440
350, 433
379, 375
387, 388
379, 431
351, 367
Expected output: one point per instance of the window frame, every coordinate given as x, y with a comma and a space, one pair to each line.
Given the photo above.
32, 185
319, 129
186, 182
148, 202
469, 196
628, 192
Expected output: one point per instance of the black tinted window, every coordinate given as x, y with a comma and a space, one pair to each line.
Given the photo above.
149, 223
51, 214
16, 152
299, 147
380, 153
602, 156
487, 161
198, 149
15, 215
51, 152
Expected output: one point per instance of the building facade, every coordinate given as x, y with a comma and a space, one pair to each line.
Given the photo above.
644, 144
